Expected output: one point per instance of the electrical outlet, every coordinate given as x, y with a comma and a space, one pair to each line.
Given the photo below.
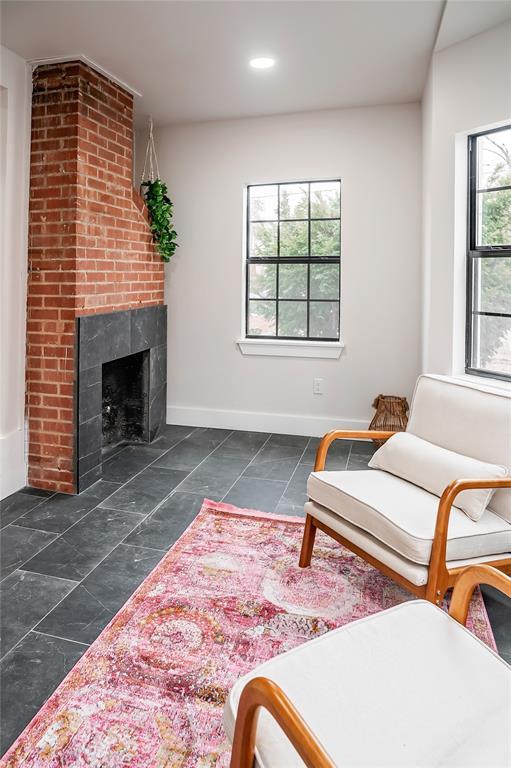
317, 386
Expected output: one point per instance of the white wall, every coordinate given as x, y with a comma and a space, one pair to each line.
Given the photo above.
15, 95
377, 153
469, 88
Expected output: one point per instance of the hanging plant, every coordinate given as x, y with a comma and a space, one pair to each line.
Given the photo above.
160, 217
158, 203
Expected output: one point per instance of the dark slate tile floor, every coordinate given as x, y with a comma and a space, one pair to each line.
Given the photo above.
70, 562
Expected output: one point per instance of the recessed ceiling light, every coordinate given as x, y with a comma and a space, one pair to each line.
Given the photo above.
262, 62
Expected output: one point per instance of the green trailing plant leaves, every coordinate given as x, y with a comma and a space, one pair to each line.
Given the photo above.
160, 208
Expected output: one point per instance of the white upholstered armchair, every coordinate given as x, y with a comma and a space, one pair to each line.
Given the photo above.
440, 497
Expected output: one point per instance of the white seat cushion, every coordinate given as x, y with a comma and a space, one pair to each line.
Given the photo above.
405, 687
414, 572
403, 516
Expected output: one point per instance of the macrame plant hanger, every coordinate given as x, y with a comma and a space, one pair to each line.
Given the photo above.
151, 159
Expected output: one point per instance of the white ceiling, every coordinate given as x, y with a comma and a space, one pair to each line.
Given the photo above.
462, 19
189, 58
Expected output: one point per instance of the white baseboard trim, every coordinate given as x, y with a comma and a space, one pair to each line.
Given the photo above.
13, 469
282, 423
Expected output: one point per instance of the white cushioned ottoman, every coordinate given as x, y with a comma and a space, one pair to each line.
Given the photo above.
405, 687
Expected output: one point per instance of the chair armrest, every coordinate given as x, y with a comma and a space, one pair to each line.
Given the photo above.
466, 582
261, 692
439, 548
344, 434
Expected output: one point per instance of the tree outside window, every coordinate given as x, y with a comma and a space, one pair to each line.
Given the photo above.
293, 260
489, 254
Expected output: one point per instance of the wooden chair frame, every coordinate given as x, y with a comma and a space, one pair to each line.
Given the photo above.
440, 577
260, 692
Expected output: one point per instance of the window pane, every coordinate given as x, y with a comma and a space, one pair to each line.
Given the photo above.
324, 281
325, 238
261, 318
294, 201
492, 280
263, 240
324, 319
293, 318
263, 202
492, 344
263, 281
325, 200
494, 159
293, 281
494, 218
294, 238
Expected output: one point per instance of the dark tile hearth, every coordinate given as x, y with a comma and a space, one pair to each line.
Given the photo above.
70, 562
122, 380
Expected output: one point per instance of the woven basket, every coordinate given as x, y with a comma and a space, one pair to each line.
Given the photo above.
391, 415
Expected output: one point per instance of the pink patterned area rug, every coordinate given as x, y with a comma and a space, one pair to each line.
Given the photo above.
229, 595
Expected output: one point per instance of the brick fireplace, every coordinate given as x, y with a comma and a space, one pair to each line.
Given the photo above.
95, 287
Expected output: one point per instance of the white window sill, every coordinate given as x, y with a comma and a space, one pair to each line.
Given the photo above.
282, 348
484, 382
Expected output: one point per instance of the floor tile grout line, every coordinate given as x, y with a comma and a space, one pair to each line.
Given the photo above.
55, 537
118, 453
77, 584
141, 546
60, 533
57, 637
46, 575
2, 658
248, 465
56, 534
38, 530
147, 466
174, 490
266, 478
144, 518
294, 472
349, 456
43, 499
20, 566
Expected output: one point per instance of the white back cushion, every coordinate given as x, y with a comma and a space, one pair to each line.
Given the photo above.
433, 468
469, 419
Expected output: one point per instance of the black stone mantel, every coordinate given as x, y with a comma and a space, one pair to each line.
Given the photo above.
101, 339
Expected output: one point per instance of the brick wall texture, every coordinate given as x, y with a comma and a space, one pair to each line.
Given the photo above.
90, 247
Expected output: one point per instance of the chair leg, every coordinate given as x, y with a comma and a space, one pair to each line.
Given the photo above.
309, 534
435, 589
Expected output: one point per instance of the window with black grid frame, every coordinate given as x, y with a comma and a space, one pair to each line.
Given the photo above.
488, 337
293, 260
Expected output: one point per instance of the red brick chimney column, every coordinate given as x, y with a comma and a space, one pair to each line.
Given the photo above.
90, 247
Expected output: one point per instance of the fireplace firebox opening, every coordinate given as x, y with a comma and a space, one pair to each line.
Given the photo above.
125, 400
